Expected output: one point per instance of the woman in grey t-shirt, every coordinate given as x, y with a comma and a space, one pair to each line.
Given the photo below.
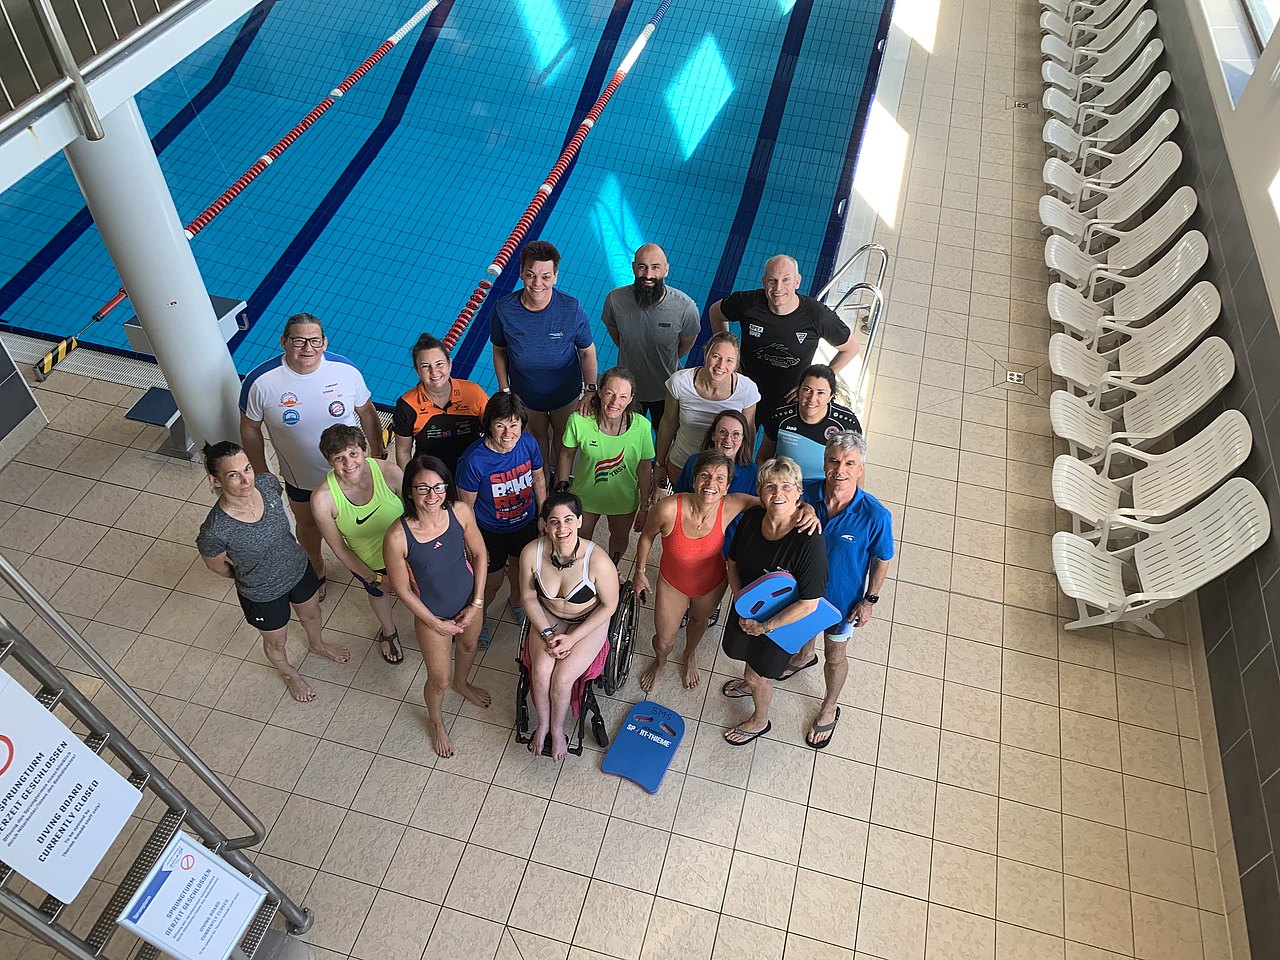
247, 538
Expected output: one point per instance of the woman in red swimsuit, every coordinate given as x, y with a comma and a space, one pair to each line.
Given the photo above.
691, 571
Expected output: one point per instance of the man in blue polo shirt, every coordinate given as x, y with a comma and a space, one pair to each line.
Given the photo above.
858, 531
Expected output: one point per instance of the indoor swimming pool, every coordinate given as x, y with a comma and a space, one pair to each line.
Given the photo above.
732, 138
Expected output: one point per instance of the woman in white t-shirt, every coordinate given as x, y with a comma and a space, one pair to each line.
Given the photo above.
696, 395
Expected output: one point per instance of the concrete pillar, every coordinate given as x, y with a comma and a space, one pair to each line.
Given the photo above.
131, 205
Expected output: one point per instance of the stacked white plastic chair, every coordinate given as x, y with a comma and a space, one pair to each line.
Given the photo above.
1155, 512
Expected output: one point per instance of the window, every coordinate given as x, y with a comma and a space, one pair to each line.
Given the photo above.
1262, 15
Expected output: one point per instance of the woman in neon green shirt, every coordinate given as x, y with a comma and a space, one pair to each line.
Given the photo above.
614, 448
353, 508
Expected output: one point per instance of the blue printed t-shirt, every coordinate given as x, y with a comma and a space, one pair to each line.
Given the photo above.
806, 443
542, 348
859, 533
502, 483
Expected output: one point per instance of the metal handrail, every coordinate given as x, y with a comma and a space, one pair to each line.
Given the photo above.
121, 689
862, 251
871, 325
78, 93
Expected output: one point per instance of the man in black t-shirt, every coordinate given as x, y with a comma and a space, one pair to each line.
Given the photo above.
780, 333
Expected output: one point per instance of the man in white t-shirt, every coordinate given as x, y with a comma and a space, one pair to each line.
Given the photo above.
295, 396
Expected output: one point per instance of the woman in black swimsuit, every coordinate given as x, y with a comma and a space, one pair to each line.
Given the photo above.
569, 590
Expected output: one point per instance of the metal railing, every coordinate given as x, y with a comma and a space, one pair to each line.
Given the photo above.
863, 251
870, 324
56, 690
48, 48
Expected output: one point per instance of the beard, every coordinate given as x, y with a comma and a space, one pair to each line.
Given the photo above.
647, 295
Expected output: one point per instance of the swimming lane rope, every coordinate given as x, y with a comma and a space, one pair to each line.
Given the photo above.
285, 142
548, 185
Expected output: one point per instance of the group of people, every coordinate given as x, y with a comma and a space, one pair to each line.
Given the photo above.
517, 483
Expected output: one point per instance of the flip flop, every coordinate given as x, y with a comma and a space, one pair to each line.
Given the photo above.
738, 685
790, 671
396, 650
745, 733
828, 728
516, 612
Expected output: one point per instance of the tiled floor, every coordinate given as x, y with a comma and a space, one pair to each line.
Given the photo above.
997, 788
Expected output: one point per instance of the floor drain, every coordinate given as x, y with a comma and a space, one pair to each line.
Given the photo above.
1013, 377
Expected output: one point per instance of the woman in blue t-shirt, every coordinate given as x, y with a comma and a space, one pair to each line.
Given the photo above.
500, 477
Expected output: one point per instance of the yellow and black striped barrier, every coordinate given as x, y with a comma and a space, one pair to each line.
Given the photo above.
44, 366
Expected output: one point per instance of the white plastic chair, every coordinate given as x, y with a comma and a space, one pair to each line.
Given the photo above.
1114, 128
1166, 484
1102, 97
1094, 34
1155, 410
1138, 297
1103, 60
1174, 559
1119, 203
1119, 353
1131, 249
1108, 169
1087, 11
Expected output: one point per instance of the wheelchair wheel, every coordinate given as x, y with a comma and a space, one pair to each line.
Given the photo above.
621, 631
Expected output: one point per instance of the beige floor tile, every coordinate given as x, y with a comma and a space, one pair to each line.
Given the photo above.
759, 889
1031, 778
1156, 809
1162, 868
771, 828
971, 711
904, 802
834, 844
910, 696
1147, 704
969, 762
613, 920
956, 935
423, 865
918, 651
1165, 931
391, 789
1030, 725
897, 861
910, 748
581, 785
1030, 677
340, 906
678, 929
781, 770
842, 786
825, 908
1093, 793
964, 879
1030, 834
509, 822
973, 663
485, 883
334, 773
891, 926
1151, 754
522, 945
396, 928
569, 838
742, 938
1029, 897
709, 811
1098, 915
1089, 739
695, 872
1030, 631
549, 902
461, 936
632, 855
1095, 851
657, 810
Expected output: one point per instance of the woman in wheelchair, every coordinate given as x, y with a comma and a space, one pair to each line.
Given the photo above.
692, 571
570, 590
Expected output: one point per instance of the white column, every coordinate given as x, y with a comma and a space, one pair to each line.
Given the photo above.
131, 205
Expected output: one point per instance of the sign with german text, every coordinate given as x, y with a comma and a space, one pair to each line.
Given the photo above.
61, 805
192, 905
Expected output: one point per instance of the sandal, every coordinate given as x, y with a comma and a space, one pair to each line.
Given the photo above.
516, 612
485, 638
828, 728
323, 588
791, 671
735, 689
745, 733
393, 641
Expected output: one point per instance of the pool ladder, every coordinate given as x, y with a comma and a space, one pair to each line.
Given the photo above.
870, 309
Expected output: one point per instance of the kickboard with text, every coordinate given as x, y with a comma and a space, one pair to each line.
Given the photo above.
643, 749
774, 592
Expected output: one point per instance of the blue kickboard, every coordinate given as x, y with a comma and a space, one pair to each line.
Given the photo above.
643, 749
774, 592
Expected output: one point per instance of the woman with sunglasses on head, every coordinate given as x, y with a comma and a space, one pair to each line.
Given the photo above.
353, 508
570, 592
435, 560
613, 445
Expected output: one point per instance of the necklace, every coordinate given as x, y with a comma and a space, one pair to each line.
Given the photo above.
573, 557
699, 523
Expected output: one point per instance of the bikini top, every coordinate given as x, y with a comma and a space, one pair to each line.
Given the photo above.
584, 592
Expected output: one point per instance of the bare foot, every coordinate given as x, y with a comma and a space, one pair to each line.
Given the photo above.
440, 741
477, 695
538, 742
650, 676
332, 651
299, 689
690, 674
559, 746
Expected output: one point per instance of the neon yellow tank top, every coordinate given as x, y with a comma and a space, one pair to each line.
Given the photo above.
363, 527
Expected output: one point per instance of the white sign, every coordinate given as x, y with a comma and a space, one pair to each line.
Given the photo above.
61, 805
192, 905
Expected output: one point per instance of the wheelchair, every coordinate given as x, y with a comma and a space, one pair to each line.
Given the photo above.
609, 671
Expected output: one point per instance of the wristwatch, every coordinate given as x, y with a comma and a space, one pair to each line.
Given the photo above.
589, 388
548, 631
872, 598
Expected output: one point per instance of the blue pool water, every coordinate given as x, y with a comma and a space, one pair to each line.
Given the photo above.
731, 139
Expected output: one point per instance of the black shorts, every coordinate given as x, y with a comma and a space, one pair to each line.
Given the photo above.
296, 494
267, 615
509, 544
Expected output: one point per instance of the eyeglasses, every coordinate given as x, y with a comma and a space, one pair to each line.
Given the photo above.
425, 488
783, 487
300, 342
